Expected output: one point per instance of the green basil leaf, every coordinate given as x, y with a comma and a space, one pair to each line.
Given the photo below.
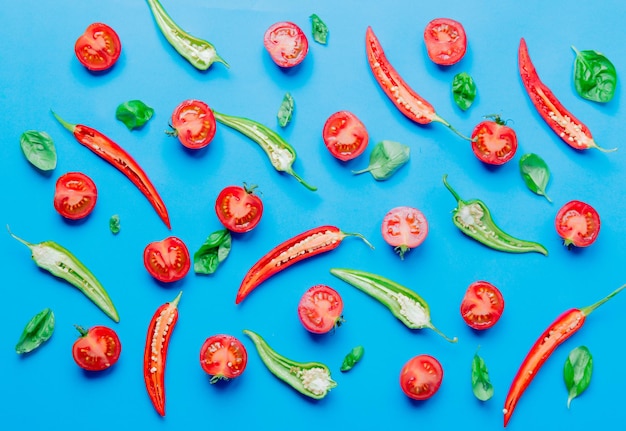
213, 252
595, 77
285, 112
481, 385
134, 114
577, 372
39, 149
114, 224
38, 330
386, 158
352, 358
320, 29
535, 173
463, 90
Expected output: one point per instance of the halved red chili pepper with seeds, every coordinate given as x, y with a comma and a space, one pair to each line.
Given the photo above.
307, 244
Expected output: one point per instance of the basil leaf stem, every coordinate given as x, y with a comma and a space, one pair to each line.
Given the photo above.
37, 331
577, 372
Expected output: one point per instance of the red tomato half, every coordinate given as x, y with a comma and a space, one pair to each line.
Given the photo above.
445, 40
194, 124
493, 142
286, 43
223, 357
404, 228
578, 224
96, 349
75, 195
238, 208
98, 48
482, 305
345, 135
167, 260
320, 309
421, 377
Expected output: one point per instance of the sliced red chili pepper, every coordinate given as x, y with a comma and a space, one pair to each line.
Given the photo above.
569, 128
560, 330
307, 244
155, 353
118, 157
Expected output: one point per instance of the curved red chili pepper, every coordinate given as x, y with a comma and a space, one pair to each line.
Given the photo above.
118, 157
561, 121
155, 352
307, 244
560, 330
411, 104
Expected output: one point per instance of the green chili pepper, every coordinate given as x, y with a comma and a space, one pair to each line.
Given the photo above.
403, 303
281, 154
37, 331
311, 378
200, 53
61, 263
474, 220
352, 358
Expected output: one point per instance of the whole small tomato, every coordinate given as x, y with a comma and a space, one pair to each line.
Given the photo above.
445, 41
98, 48
167, 260
286, 43
223, 357
404, 228
345, 135
482, 305
320, 309
238, 208
578, 224
75, 195
97, 348
493, 142
193, 123
421, 377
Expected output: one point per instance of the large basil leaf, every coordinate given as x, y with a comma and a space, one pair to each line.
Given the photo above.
481, 385
213, 252
595, 77
535, 173
39, 149
386, 158
463, 90
134, 114
38, 330
577, 372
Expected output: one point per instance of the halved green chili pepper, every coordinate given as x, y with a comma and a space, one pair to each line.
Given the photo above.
281, 154
38, 330
61, 263
311, 378
474, 220
403, 303
200, 53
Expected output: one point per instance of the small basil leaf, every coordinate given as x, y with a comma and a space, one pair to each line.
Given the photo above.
577, 372
386, 158
352, 358
114, 224
481, 385
463, 90
285, 112
38, 330
535, 173
213, 252
595, 77
320, 29
134, 114
39, 149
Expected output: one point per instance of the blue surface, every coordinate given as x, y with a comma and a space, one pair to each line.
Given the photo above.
40, 73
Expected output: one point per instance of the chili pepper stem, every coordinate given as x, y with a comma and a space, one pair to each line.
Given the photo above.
358, 235
451, 340
438, 119
604, 150
68, 126
587, 310
26, 243
450, 189
176, 300
301, 180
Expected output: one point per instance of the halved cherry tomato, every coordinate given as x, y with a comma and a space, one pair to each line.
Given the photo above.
445, 40
238, 208
494, 142
320, 309
98, 48
482, 305
194, 124
421, 377
97, 348
223, 357
167, 260
286, 43
75, 195
345, 135
404, 228
578, 224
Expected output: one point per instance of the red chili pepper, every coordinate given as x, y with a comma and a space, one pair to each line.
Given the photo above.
315, 241
411, 104
155, 353
564, 124
560, 330
118, 157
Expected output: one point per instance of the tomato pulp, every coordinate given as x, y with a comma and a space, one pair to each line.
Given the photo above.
194, 124
482, 305
167, 260
493, 142
446, 41
578, 224
223, 357
75, 195
97, 348
421, 377
320, 309
404, 228
345, 135
238, 208
98, 48
286, 43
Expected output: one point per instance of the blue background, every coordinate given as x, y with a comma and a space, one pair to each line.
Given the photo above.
40, 72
